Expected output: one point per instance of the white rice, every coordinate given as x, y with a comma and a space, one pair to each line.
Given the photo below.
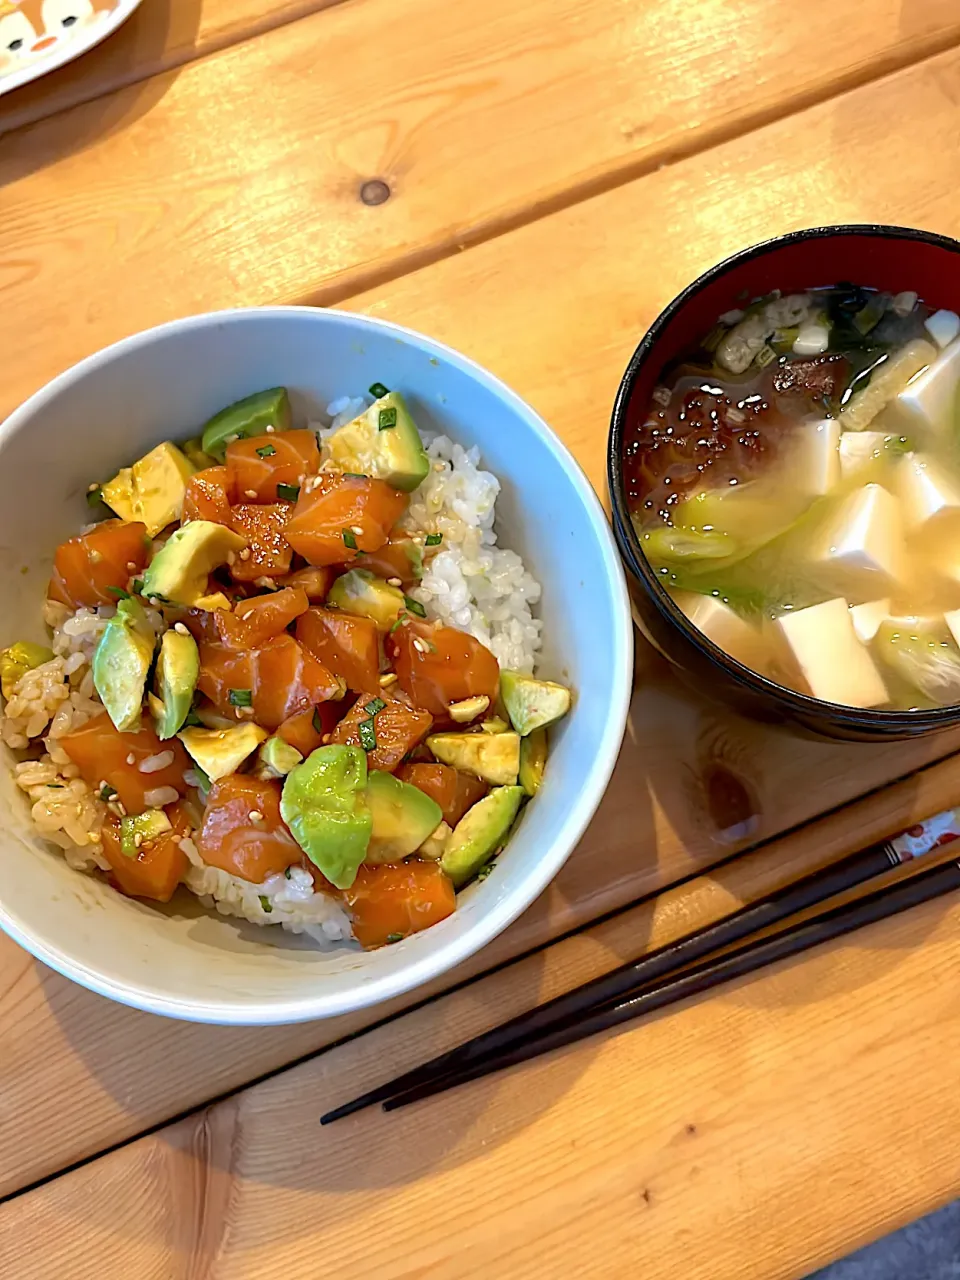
469, 582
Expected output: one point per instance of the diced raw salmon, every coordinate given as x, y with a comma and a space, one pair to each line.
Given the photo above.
103, 754
348, 645
257, 464
341, 516
251, 847
158, 865
207, 497
391, 902
263, 527
453, 791
440, 665
397, 728
86, 567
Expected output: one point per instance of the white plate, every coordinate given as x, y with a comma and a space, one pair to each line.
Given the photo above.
37, 36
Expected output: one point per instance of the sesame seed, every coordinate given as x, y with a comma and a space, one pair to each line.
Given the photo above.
153, 602
267, 583
131, 758
388, 677
420, 646
138, 839
355, 528
245, 553
438, 466
79, 810
180, 629
393, 582
255, 815
270, 429
326, 739
249, 493
121, 809
92, 488
131, 566
101, 784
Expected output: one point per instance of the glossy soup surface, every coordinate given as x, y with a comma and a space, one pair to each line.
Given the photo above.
795, 481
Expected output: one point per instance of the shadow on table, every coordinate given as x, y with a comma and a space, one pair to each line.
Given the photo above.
103, 90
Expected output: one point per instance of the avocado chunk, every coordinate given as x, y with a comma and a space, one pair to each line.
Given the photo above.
532, 704
402, 817
324, 805
220, 752
193, 449
362, 593
247, 417
121, 664
384, 443
139, 829
178, 669
276, 758
435, 843
179, 571
495, 757
533, 760
480, 833
152, 490
18, 660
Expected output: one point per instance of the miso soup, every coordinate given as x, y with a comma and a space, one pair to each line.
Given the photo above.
795, 482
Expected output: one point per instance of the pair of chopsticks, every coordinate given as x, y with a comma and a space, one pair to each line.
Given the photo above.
652, 982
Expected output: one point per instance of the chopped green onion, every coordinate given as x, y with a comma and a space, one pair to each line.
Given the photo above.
368, 735
386, 419
107, 792
266, 452
119, 593
54, 786
287, 874
138, 586
316, 721
401, 621
192, 720
377, 389
241, 698
433, 539
349, 540
354, 475
415, 606
94, 496
484, 871
374, 705
394, 937
265, 903
288, 492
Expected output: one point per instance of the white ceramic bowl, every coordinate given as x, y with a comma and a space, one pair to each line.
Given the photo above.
183, 961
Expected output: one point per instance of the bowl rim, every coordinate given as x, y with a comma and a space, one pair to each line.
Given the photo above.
619, 657
799, 706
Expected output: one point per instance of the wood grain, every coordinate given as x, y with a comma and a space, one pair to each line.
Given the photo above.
159, 36
556, 308
757, 1133
237, 178
697, 785
628, 252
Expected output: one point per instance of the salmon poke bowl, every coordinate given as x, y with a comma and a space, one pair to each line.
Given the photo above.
315, 667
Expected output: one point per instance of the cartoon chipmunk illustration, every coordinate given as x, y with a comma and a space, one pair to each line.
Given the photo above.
35, 29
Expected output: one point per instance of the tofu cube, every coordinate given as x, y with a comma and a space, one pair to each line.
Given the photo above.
929, 495
866, 618
814, 462
860, 452
821, 645
859, 547
925, 410
728, 631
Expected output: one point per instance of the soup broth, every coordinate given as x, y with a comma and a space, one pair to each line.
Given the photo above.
795, 482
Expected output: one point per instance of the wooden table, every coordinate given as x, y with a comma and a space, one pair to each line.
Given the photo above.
556, 172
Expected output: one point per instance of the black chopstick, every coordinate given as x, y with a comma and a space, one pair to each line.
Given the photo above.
880, 905
798, 896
